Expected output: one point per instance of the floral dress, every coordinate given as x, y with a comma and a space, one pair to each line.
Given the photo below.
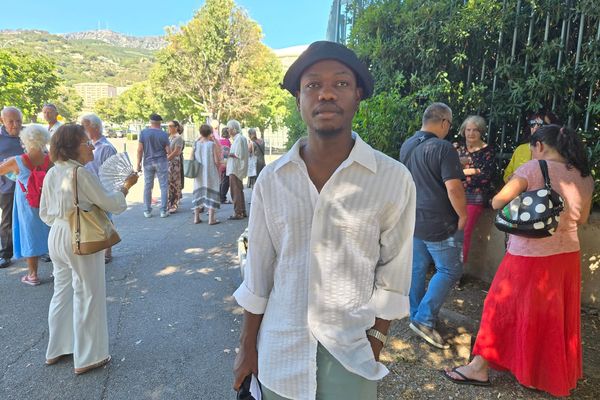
478, 188
175, 181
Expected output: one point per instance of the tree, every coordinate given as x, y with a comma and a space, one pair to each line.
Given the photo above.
26, 82
218, 63
487, 57
68, 102
296, 128
108, 109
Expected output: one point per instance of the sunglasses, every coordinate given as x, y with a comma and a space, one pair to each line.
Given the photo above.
87, 143
533, 123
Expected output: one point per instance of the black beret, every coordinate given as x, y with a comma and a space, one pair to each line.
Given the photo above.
324, 50
155, 117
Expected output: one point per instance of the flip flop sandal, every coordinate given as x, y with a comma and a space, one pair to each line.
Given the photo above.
26, 279
236, 217
465, 380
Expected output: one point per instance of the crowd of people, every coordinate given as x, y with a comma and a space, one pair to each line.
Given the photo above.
225, 161
341, 236
36, 205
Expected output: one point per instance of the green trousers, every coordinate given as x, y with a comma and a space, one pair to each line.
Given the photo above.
334, 382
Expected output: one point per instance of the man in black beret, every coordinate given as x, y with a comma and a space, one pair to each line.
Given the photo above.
153, 148
330, 245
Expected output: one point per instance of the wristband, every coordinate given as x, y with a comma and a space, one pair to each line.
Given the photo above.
377, 335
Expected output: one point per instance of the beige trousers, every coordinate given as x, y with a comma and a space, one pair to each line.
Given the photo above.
77, 316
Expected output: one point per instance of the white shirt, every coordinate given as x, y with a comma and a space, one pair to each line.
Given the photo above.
238, 166
54, 128
322, 266
57, 193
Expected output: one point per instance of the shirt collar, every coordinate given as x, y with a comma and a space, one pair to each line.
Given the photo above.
361, 153
4, 132
70, 162
102, 139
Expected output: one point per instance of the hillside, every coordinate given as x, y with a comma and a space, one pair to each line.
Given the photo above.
118, 39
101, 56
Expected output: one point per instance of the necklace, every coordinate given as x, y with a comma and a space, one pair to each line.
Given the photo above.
475, 147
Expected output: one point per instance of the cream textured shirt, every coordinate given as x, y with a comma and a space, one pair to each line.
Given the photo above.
322, 266
238, 165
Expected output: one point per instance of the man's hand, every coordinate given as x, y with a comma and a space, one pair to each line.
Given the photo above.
246, 363
376, 346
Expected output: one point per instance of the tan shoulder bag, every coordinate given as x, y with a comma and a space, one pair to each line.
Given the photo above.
91, 231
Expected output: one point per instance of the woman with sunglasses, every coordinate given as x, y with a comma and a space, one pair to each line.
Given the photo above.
77, 321
522, 154
531, 323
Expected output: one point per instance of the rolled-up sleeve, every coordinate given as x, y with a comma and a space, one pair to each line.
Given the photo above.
394, 270
253, 293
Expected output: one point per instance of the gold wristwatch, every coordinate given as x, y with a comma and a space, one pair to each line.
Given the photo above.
377, 335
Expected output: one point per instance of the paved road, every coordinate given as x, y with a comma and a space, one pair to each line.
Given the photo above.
173, 324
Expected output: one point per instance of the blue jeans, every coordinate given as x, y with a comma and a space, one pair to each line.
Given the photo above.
446, 255
160, 168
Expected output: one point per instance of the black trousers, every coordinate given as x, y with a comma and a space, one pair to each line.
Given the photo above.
224, 187
6, 243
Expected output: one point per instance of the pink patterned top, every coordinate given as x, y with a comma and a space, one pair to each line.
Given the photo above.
576, 192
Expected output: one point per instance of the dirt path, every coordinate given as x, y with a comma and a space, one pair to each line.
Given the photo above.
415, 365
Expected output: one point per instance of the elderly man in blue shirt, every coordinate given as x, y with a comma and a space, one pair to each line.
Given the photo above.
10, 145
103, 149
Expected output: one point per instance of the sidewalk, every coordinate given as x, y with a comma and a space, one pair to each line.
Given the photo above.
414, 365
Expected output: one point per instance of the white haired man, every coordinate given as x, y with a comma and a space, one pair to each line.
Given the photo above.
237, 168
10, 145
50, 113
103, 149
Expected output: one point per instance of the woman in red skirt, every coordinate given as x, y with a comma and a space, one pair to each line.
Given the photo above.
531, 317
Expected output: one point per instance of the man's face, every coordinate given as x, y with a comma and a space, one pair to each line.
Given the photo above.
328, 97
50, 114
446, 125
89, 130
12, 122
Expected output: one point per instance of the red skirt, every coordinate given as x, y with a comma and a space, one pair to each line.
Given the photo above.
531, 322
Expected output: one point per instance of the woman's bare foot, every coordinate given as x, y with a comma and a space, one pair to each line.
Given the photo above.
468, 371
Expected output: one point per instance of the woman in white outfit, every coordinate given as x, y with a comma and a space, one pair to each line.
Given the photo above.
77, 316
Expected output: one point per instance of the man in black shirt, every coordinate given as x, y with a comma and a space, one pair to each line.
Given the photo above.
440, 219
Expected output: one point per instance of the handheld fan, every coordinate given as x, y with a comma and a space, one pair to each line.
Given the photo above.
115, 170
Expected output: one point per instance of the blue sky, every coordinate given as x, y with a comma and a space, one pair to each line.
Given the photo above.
284, 22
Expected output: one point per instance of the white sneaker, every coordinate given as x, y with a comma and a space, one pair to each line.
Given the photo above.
164, 214
148, 214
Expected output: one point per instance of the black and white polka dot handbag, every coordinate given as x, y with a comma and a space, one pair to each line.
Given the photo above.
534, 213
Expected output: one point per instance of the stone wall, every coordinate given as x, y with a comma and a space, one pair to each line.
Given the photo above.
487, 250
